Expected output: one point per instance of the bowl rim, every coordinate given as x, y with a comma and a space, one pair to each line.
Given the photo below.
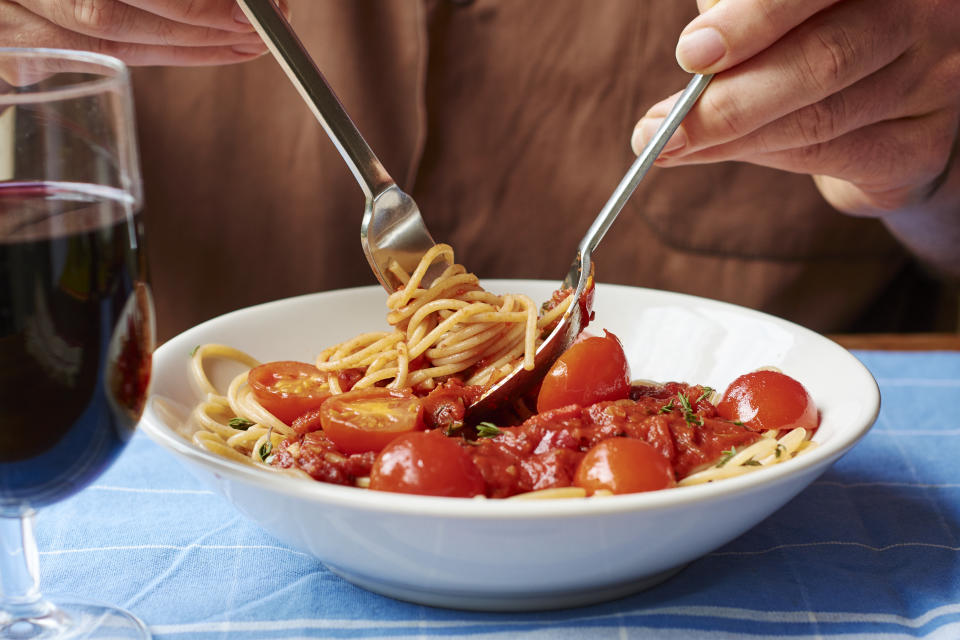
322, 493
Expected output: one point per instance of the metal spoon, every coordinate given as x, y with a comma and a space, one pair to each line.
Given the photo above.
580, 276
392, 227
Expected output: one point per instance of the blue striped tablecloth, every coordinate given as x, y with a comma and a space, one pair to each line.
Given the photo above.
868, 551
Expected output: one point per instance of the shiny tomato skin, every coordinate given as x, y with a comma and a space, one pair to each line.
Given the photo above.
307, 422
768, 400
426, 463
624, 465
592, 370
368, 419
287, 388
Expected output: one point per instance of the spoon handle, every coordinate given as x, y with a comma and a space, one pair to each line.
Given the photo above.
300, 68
643, 163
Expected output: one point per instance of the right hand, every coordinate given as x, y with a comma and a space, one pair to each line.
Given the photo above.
139, 32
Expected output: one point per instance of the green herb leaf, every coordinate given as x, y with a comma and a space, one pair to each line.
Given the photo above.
265, 450
726, 457
779, 450
240, 423
453, 428
689, 414
707, 392
752, 463
667, 408
487, 430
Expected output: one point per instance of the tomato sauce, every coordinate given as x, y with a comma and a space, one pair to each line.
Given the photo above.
543, 451
316, 455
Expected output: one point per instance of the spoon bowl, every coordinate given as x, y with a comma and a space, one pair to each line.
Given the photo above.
580, 277
393, 232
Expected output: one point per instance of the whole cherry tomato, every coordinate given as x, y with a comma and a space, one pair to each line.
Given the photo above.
592, 370
426, 463
624, 465
768, 400
288, 389
368, 419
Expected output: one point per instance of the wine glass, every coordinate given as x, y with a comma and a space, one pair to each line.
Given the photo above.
76, 317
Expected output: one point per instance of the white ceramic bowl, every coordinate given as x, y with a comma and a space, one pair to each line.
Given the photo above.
519, 555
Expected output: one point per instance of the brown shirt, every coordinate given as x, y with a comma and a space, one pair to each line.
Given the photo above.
509, 122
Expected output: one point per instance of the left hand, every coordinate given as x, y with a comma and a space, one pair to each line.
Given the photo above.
862, 94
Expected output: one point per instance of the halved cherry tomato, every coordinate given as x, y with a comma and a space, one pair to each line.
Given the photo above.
768, 400
288, 389
426, 463
590, 371
368, 419
624, 465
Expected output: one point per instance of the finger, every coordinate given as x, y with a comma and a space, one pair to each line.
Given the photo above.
118, 21
19, 26
704, 5
164, 55
645, 129
829, 53
892, 163
732, 31
889, 94
219, 14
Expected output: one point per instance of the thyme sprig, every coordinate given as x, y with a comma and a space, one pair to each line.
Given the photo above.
727, 455
691, 416
487, 430
240, 423
707, 392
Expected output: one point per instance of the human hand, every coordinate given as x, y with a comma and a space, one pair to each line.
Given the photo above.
139, 32
861, 94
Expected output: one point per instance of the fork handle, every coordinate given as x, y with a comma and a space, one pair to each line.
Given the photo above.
286, 47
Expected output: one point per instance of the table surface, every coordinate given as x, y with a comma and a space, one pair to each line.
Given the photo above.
869, 550
899, 341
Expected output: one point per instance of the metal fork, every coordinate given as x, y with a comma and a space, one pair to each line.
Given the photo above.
392, 227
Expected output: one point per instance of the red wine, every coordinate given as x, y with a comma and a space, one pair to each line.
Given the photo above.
76, 336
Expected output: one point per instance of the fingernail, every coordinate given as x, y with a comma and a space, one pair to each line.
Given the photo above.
645, 131
699, 49
252, 49
239, 15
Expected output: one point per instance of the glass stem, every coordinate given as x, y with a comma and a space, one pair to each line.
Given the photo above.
20, 596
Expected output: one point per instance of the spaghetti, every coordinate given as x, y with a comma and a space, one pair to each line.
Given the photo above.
452, 332
449, 328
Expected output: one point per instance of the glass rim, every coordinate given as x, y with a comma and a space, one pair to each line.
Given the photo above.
75, 90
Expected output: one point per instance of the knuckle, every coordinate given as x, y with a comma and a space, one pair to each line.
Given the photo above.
811, 155
727, 118
123, 50
166, 33
773, 14
95, 17
194, 10
940, 148
822, 120
828, 58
